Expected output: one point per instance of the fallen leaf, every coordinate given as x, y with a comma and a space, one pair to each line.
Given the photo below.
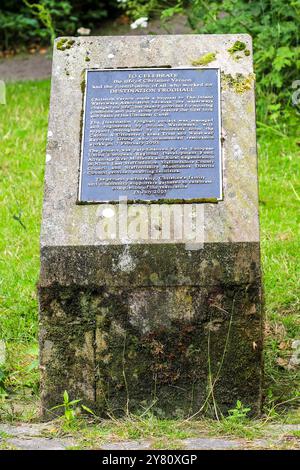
281, 362
284, 236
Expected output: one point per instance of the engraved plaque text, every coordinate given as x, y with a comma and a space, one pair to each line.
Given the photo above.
151, 135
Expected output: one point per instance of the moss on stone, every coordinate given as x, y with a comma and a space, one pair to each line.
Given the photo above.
237, 46
64, 44
70, 43
61, 44
205, 59
82, 85
159, 201
116, 355
240, 47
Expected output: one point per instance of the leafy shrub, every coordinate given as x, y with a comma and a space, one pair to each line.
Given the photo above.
274, 26
20, 24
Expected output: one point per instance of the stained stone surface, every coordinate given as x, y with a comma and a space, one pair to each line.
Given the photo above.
39, 443
130, 323
24, 430
127, 445
204, 443
68, 224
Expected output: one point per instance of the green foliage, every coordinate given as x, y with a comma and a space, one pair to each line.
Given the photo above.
43, 14
21, 369
68, 406
145, 8
237, 423
27, 21
238, 414
273, 24
71, 409
3, 374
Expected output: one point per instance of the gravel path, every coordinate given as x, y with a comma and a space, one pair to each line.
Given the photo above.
25, 67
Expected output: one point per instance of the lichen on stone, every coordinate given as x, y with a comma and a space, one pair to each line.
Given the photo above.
239, 83
205, 59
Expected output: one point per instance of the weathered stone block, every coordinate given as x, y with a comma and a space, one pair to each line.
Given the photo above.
128, 324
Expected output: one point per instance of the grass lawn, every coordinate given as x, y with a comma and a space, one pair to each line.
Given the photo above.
23, 128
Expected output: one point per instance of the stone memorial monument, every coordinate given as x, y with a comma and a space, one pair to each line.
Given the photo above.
150, 284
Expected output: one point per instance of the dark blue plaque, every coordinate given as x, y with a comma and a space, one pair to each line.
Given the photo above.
151, 135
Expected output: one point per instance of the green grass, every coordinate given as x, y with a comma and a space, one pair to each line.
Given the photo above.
279, 188
23, 128
279, 178
163, 433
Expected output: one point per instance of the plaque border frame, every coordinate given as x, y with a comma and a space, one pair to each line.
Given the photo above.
161, 200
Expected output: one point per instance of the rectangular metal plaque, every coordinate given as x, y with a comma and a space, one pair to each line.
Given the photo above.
151, 135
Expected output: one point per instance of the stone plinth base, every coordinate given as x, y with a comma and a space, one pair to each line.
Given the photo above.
166, 341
